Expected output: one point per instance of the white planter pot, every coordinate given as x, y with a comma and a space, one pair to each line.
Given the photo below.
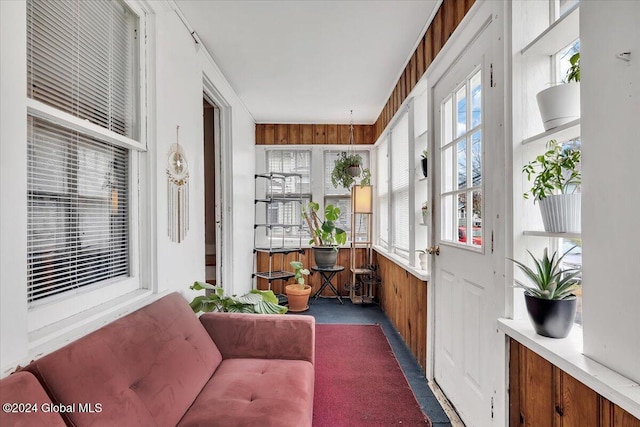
559, 104
424, 261
561, 213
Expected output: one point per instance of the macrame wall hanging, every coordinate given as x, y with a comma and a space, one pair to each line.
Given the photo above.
177, 192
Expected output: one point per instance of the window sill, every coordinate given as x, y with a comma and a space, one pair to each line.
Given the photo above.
567, 355
420, 274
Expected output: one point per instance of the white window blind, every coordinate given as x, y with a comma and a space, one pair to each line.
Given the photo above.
382, 179
77, 210
399, 149
288, 161
81, 60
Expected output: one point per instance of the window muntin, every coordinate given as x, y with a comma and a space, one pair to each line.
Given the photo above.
461, 159
82, 61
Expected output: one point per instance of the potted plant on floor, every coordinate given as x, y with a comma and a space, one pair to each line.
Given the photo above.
347, 168
298, 293
325, 236
556, 180
560, 104
256, 301
550, 302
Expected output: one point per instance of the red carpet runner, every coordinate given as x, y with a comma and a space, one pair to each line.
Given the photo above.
359, 381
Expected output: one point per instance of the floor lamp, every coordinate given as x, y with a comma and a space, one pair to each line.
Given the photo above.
361, 204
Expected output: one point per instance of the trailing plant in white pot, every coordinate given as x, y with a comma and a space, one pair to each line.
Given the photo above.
556, 180
560, 104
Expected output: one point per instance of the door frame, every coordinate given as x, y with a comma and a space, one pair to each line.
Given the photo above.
481, 15
224, 189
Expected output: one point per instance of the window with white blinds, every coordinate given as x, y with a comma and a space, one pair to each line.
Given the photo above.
341, 196
288, 212
382, 178
83, 61
77, 210
399, 147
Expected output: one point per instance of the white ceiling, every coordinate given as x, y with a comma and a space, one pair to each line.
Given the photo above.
310, 61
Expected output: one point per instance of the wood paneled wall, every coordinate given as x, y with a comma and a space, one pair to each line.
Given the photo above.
443, 25
291, 134
339, 281
541, 394
403, 297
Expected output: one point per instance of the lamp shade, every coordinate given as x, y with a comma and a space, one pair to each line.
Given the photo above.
361, 198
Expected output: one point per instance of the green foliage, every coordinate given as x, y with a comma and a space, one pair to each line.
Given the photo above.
550, 280
340, 175
324, 233
299, 272
256, 301
573, 73
555, 170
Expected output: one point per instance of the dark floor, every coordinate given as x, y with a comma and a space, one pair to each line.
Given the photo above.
329, 310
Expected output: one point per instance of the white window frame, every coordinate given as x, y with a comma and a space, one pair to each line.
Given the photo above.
317, 178
58, 307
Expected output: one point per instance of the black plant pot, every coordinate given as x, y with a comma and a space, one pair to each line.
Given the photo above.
552, 318
325, 256
425, 163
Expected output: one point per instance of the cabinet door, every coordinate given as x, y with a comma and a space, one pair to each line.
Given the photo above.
577, 405
536, 390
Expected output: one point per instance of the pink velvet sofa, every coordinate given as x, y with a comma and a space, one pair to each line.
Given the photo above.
162, 366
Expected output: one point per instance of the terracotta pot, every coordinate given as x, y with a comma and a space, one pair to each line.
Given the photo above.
298, 298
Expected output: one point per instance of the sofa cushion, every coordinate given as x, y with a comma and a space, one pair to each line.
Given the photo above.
22, 388
145, 369
255, 392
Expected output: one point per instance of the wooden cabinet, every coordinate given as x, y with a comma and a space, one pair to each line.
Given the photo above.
542, 395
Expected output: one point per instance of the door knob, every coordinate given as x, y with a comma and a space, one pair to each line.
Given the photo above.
434, 250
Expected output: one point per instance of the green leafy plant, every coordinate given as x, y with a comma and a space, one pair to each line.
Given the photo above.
340, 175
324, 232
550, 280
425, 206
299, 272
425, 154
557, 170
573, 73
256, 301
365, 177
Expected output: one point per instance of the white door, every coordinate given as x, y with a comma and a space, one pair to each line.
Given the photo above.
464, 212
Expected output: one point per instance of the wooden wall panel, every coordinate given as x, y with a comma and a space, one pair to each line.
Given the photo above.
295, 134
541, 394
403, 297
428, 47
420, 64
449, 20
307, 134
438, 23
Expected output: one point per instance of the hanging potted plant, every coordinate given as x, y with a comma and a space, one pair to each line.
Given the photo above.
347, 168
325, 236
550, 302
560, 104
298, 293
556, 179
425, 162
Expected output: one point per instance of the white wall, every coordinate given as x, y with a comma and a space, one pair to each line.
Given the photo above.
610, 104
175, 77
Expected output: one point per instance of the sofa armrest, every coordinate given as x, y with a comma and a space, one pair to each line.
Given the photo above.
262, 336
